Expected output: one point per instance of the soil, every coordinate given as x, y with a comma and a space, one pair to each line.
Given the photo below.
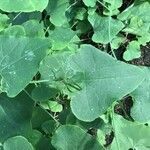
144, 60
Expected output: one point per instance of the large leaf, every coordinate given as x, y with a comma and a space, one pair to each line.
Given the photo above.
15, 116
105, 28
98, 78
141, 96
130, 135
17, 143
72, 137
23, 6
20, 58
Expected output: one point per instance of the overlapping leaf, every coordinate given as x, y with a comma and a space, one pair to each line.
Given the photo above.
17, 143
105, 28
23, 6
15, 116
98, 78
20, 58
57, 10
72, 137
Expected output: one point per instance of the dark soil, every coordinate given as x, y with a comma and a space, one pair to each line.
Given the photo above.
123, 108
144, 60
109, 138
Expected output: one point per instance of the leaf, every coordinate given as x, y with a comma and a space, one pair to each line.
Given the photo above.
52, 105
16, 30
117, 41
25, 6
133, 51
141, 96
3, 21
112, 7
62, 38
72, 137
34, 29
20, 58
105, 28
57, 9
95, 78
17, 143
126, 135
15, 116
90, 3
43, 93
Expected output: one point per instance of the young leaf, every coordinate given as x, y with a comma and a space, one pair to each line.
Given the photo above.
133, 51
97, 77
20, 58
72, 137
17, 143
23, 6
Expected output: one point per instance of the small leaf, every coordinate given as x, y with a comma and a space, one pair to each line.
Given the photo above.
133, 51
52, 105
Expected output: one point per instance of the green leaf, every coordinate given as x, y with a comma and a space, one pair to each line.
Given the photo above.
105, 28
3, 21
95, 78
43, 93
141, 96
72, 137
62, 38
34, 29
16, 30
17, 143
15, 116
20, 58
126, 135
117, 41
52, 105
90, 3
133, 51
111, 7
25, 6
57, 9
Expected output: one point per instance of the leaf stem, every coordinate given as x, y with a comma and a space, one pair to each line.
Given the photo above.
38, 81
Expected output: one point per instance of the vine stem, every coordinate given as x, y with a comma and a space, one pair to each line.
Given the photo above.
109, 25
38, 81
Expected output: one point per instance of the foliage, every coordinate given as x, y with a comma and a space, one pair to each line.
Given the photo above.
62, 76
